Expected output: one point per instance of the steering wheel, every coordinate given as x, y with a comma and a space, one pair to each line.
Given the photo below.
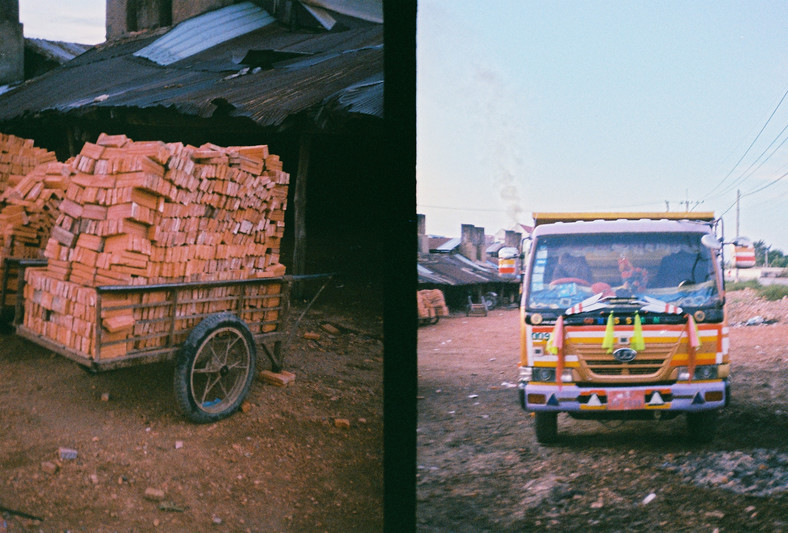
579, 281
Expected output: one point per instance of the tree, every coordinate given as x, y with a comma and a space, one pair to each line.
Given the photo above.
775, 256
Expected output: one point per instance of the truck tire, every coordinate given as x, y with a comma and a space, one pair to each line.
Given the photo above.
702, 426
546, 425
215, 368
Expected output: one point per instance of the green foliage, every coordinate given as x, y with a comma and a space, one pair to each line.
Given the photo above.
773, 292
741, 285
775, 256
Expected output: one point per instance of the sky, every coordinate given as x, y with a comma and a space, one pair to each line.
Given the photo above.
526, 106
79, 21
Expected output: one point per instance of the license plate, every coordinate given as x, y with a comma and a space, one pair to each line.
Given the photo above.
625, 400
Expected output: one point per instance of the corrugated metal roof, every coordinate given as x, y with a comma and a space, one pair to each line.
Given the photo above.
449, 245
456, 270
494, 247
428, 276
371, 10
56, 50
205, 31
321, 15
111, 77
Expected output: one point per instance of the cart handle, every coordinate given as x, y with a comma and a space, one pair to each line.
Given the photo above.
301, 277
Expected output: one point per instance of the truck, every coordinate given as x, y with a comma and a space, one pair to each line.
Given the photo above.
622, 318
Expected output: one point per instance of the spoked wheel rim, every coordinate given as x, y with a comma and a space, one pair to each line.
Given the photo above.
220, 370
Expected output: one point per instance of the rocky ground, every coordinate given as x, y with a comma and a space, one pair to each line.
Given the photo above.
110, 452
480, 468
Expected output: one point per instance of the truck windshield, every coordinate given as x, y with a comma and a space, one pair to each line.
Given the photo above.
672, 267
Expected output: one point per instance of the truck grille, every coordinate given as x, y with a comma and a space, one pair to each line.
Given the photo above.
598, 365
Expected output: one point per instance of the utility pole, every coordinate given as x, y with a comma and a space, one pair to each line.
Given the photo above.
738, 199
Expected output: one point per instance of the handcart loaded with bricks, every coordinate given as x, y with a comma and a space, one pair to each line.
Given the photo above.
140, 252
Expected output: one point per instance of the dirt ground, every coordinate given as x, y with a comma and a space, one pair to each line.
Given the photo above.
479, 467
283, 465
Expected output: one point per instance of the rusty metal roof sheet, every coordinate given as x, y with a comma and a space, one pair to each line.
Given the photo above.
344, 74
456, 270
205, 31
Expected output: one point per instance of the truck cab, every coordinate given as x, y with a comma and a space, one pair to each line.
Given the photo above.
622, 317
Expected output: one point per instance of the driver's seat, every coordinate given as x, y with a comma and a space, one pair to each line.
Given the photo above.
572, 266
675, 268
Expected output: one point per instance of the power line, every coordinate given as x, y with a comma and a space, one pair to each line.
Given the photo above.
742, 177
749, 147
464, 208
766, 186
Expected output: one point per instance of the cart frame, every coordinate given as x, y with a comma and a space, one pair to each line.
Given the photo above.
225, 329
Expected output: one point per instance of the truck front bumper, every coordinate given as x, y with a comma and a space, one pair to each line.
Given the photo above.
684, 397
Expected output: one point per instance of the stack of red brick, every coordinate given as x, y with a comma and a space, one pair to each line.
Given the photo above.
141, 213
32, 183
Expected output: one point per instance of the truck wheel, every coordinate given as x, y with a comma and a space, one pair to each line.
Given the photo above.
215, 368
546, 427
702, 426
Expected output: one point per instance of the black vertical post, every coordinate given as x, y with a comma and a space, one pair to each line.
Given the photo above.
398, 209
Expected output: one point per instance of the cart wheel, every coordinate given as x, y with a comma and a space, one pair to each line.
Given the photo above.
215, 368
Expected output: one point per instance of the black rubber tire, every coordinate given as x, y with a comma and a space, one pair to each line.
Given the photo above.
702, 426
216, 329
546, 425
491, 300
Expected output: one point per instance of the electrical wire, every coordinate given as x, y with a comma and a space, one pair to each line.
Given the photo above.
490, 210
749, 147
750, 193
747, 173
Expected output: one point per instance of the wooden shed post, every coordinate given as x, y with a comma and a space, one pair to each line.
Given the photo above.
299, 215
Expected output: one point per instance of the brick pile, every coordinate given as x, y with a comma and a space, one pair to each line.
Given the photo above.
31, 186
18, 157
431, 304
29, 209
142, 213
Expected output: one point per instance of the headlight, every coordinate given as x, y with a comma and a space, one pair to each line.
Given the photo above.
706, 372
701, 372
544, 374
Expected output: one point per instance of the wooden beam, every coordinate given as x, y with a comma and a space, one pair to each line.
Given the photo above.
299, 210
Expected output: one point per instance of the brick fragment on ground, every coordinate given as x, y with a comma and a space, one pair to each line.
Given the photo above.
154, 495
280, 379
330, 328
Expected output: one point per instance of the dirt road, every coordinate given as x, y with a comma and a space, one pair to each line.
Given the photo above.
481, 469
284, 465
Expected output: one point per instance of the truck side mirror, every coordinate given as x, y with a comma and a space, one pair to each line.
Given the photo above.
710, 242
744, 242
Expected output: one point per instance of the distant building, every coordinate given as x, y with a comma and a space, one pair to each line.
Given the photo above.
22, 59
466, 268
